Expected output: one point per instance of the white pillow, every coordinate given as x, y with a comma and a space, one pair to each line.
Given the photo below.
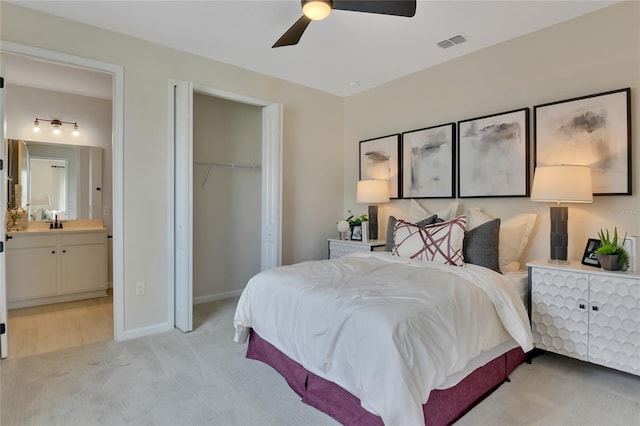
417, 212
514, 235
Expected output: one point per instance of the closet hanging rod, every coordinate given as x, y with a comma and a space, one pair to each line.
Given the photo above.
231, 165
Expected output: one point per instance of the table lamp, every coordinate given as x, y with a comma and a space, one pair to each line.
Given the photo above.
561, 184
372, 192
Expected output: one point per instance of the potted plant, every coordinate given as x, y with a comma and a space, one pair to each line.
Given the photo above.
611, 255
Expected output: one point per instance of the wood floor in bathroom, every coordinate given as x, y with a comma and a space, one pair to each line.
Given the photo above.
48, 328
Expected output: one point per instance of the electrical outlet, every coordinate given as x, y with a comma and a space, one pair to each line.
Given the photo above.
140, 288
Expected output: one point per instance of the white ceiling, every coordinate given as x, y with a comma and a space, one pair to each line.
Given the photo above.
344, 54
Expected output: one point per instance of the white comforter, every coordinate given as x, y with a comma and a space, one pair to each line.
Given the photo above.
386, 329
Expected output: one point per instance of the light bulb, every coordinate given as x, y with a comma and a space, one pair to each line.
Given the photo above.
36, 126
56, 131
76, 132
316, 10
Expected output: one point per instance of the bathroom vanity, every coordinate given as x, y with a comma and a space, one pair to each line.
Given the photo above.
55, 265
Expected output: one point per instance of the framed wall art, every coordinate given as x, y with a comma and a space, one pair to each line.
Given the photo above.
428, 162
379, 160
493, 155
592, 130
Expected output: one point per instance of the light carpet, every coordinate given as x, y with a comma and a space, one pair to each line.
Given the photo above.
203, 378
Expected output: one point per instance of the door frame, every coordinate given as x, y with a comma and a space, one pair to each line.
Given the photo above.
181, 287
117, 73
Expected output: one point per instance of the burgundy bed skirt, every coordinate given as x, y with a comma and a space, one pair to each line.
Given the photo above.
443, 407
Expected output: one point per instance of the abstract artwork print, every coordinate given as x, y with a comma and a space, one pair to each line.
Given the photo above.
379, 160
593, 131
493, 155
428, 162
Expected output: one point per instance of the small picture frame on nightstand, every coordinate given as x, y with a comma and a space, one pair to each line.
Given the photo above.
590, 258
356, 232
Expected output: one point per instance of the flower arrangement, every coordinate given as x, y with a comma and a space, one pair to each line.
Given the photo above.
356, 220
609, 246
344, 225
14, 214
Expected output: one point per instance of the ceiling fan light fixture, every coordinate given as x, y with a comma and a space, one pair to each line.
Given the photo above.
316, 10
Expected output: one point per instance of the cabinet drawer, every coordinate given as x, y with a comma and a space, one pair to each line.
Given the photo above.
31, 241
340, 248
84, 238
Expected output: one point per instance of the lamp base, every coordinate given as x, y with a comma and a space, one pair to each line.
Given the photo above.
558, 261
558, 237
373, 223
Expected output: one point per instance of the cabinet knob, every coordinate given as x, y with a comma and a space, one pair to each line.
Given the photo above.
53, 252
595, 308
582, 306
64, 251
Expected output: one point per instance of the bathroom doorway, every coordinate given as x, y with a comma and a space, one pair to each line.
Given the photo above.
108, 78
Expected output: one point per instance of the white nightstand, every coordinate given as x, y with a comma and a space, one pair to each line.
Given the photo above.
339, 248
586, 313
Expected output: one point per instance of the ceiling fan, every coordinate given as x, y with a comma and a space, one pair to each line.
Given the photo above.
315, 10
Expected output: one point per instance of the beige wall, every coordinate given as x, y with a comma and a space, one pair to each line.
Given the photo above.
312, 152
226, 201
591, 54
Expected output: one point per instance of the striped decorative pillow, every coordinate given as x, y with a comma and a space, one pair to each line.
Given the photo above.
440, 242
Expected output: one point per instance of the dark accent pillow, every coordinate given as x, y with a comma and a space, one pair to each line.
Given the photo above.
391, 224
429, 220
480, 245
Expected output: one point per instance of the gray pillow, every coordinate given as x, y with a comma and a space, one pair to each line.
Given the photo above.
480, 245
391, 224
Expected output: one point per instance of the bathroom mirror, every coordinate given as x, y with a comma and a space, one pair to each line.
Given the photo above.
48, 179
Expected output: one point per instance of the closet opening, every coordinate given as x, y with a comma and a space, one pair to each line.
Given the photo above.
227, 194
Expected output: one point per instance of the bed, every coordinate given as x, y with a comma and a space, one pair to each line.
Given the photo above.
413, 336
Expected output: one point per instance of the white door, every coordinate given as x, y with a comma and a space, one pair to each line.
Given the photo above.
271, 247
3, 202
183, 201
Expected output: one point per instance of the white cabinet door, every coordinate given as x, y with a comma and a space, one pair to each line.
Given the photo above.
32, 273
82, 268
614, 322
559, 312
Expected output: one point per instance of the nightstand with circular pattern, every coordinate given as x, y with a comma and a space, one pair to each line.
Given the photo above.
586, 313
339, 248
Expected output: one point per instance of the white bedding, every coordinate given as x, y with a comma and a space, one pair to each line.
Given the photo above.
386, 329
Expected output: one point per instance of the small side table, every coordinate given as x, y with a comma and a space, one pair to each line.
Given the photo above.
339, 248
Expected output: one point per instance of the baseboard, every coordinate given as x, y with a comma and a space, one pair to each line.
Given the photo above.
146, 331
217, 296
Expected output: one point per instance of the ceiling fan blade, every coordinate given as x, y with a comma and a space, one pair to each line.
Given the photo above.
293, 34
385, 7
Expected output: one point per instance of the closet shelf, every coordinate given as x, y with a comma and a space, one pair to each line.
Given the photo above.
229, 165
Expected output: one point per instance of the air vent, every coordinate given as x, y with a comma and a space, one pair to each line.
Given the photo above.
445, 43
452, 41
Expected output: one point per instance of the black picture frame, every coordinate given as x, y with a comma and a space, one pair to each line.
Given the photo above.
590, 258
380, 160
493, 155
592, 130
356, 232
429, 162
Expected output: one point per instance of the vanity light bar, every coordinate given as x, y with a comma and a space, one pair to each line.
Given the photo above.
56, 125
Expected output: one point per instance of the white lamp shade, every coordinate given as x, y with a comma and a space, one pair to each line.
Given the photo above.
562, 184
372, 191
